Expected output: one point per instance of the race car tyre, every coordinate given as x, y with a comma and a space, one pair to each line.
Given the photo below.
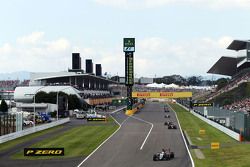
167, 157
155, 158
171, 155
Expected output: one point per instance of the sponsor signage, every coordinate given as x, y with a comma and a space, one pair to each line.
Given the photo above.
202, 104
129, 69
161, 94
202, 131
128, 44
215, 145
43, 151
96, 119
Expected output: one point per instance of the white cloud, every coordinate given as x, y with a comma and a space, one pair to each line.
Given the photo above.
186, 58
6, 48
33, 53
158, 56
153, 56
225, 41
215, 4
58, 45
219, 4
32, 38
113, 2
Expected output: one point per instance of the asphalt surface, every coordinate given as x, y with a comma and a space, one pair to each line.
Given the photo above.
123, 149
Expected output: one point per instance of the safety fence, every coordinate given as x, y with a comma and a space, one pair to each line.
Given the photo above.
7, 124
31, 130
216, 124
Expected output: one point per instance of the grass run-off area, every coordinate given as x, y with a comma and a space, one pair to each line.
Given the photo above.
78, 141
231, 153
26, 138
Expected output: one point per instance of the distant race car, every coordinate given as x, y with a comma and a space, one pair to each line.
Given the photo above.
165, 155
166, 109
172, 126
167, 116
168, 123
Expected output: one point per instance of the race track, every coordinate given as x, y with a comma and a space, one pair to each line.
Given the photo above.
124, 149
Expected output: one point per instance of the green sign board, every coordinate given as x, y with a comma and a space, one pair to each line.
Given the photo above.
203, 104
129, 69
128, 44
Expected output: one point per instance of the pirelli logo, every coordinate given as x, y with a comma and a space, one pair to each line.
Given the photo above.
43, 151
166, 94
161, 94
143, 94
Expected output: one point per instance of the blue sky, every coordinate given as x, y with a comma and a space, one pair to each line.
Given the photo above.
172, 36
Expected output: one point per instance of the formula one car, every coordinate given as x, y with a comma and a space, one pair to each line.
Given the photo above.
165, 155
172, 126
167, 116
166, 109
168, 123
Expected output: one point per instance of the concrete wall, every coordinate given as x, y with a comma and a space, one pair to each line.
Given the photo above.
28, 131
237, 119
223, 129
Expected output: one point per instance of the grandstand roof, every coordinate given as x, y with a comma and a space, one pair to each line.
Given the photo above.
238, 45
27, 93
225, 66
43, 76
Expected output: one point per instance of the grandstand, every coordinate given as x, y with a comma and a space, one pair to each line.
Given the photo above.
12, 84
88, 86
242, 105
7, 88
238, 68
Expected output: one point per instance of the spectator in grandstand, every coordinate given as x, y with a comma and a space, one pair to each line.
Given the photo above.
242, 105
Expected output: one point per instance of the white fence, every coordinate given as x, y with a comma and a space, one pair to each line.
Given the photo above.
38, 128
225, 130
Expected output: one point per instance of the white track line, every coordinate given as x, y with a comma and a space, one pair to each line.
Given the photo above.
124, 121
118, 110
152, 125
192, 161
102, 142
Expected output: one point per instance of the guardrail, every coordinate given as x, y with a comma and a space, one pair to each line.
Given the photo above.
31, 130
223, 129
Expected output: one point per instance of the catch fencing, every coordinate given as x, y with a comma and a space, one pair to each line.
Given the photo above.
31, 130
236, 121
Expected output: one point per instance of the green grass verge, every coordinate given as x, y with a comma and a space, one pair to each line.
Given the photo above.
14, 142
79, 141
231, 154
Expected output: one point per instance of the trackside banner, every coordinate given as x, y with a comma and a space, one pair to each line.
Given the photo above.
96, 119
43, 151
202, 104
161, 94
